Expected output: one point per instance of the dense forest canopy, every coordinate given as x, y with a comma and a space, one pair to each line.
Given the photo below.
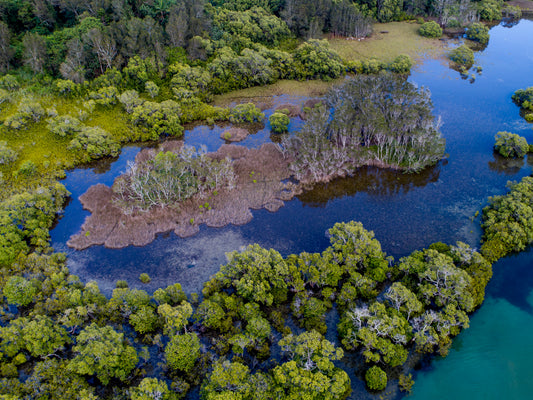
81, 39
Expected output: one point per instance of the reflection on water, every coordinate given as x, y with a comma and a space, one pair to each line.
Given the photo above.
371, 180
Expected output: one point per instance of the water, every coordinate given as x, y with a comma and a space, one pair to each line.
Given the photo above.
406, 212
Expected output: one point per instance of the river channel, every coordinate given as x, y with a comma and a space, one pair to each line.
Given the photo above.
491, 359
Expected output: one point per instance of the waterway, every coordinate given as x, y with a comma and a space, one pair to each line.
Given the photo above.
490, 360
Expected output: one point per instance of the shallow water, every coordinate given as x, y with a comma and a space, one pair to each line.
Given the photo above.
406, 212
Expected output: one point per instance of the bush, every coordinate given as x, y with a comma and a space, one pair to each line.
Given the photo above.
462, 56
9, 82
7, 155
401, 64
27, 168
145, 278
245, 113
511, 145
279, 122
315, 60
96, 142
430, 29
376, 378
478, 32
28, 111
64, 125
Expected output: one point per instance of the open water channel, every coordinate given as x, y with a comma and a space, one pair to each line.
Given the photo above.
491, 359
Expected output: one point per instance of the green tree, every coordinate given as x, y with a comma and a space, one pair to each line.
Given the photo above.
183, 351
19, 291
104, 353
376, 378
511, 145
151, 389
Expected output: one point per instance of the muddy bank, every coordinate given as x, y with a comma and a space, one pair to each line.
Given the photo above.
261, 182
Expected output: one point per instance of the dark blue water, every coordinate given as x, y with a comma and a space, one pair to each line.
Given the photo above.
491, 360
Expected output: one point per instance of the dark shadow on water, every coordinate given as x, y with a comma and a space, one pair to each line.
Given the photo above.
371, 180
506, 166
513, 279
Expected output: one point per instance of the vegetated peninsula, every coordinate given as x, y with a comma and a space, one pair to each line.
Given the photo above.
378, 120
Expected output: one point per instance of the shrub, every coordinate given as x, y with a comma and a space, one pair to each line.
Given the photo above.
28, 111
430, 29
315, 60
245, 113
9, 82
462, 56
105, 96
401, 64
64, 125
478, 32
27, 168
279, 122
376, 378
511, 145
159, 118
96, 142
7, 155
144, 278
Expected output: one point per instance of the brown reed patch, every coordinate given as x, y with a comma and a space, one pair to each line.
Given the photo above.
260, 183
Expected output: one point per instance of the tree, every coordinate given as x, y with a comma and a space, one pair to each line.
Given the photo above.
19, 291
478, 32
151, 389
73, 68
104, 46
51, 379
511, 145
34, 51
6, 52
376, 378
183, 351
310, 372
104, 353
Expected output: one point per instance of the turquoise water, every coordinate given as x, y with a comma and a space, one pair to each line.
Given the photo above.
407, 212
491, 359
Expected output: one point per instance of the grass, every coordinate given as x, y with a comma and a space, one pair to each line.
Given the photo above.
314, 88
48, 151
400, 38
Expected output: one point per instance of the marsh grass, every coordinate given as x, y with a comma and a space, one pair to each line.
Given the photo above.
48, 151
401, 38
292, 87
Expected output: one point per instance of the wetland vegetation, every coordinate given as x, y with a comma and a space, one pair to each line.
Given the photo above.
82, 79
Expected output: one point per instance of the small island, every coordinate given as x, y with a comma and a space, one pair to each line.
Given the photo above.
388, 124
